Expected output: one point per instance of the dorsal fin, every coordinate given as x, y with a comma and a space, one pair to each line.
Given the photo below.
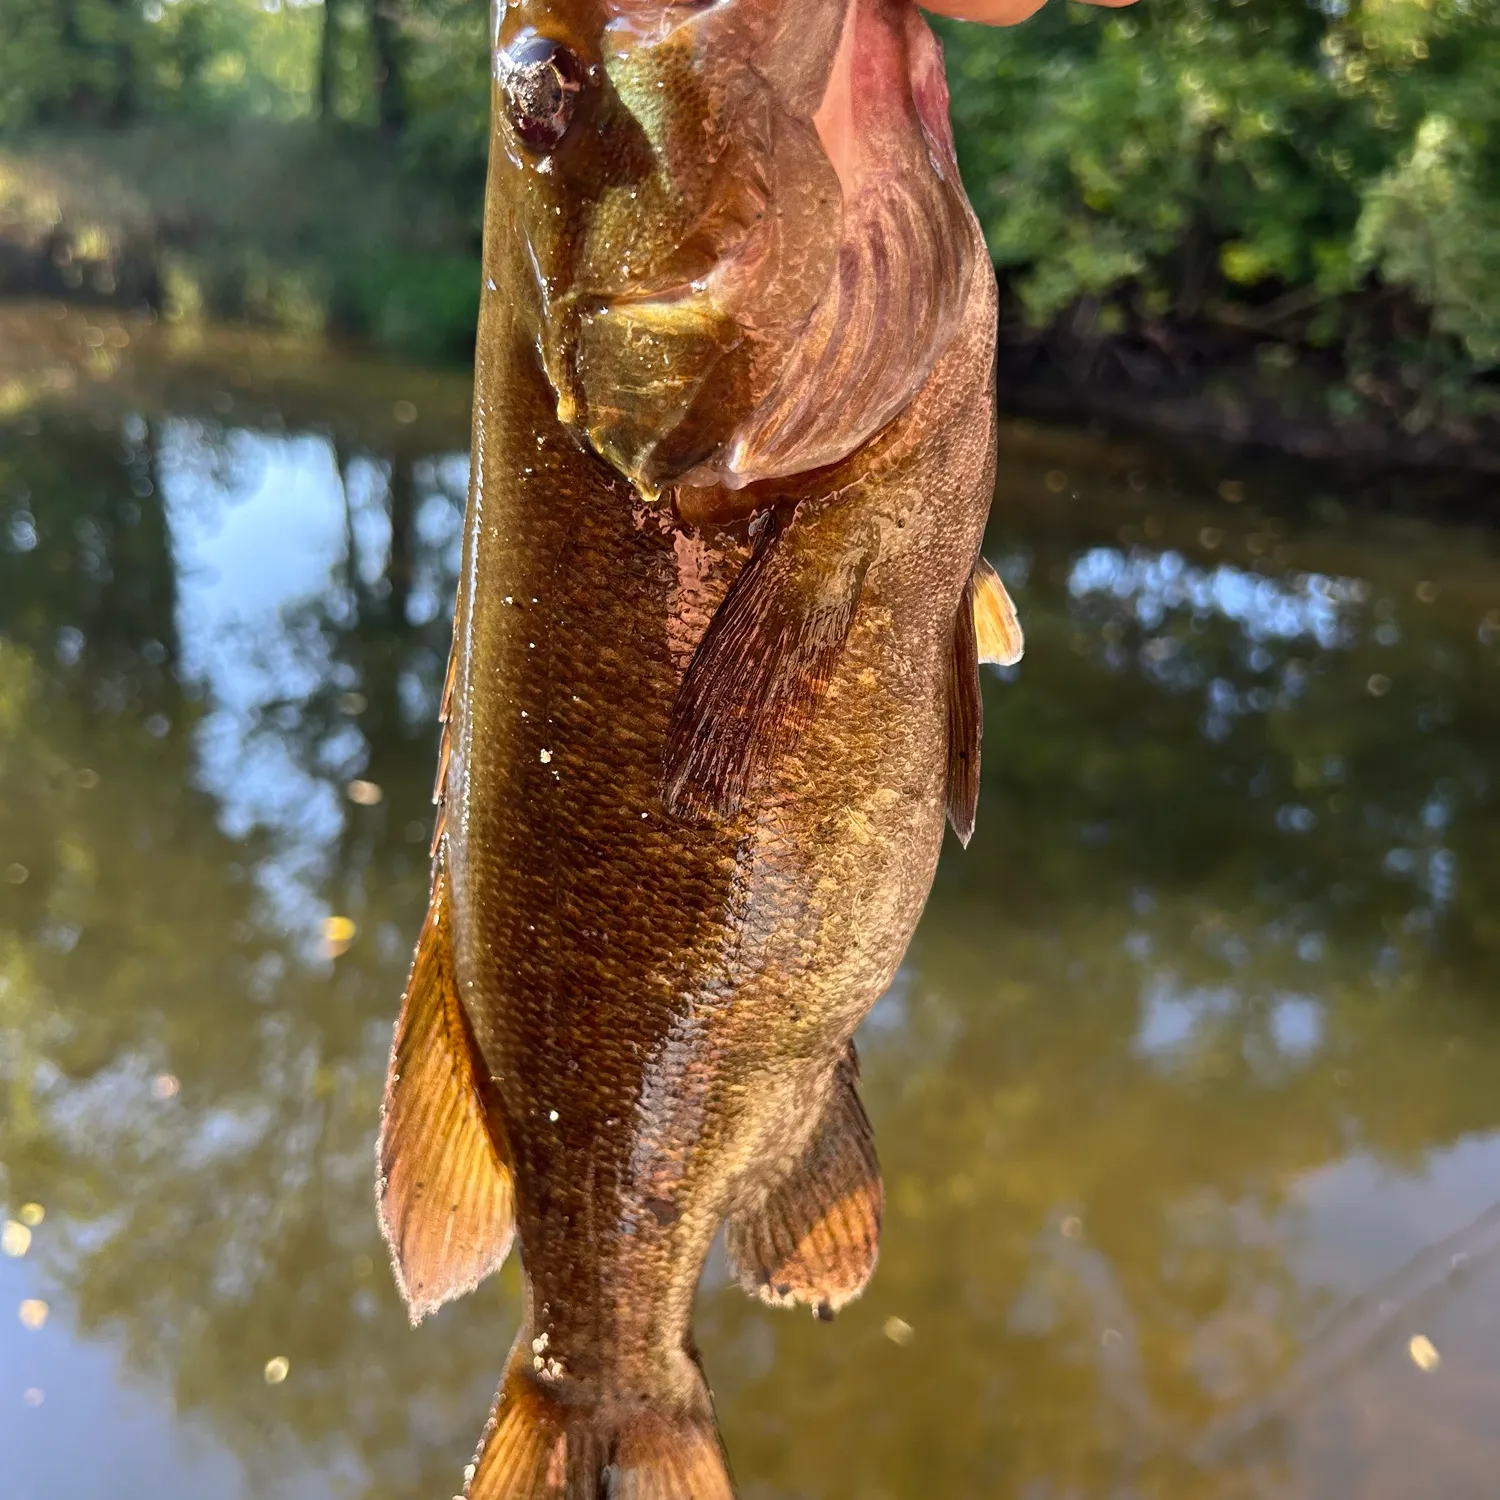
996, 623
446, 1198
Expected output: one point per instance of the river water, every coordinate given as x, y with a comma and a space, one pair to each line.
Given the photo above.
1188, 1095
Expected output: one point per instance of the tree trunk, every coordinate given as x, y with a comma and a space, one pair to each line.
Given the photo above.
125, 99
328, 57
194, 51
390, 84
81, 102
1198, 247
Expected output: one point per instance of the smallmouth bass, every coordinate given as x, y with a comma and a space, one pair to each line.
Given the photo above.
714, 687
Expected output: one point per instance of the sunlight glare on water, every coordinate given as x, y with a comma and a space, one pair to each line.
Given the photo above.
1186, 1095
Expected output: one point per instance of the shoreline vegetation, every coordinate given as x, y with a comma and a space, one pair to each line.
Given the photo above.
1268, 222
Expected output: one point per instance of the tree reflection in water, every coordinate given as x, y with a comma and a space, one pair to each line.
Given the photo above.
1196, 1041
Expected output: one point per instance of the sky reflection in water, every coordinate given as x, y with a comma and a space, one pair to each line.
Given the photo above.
1193, 1058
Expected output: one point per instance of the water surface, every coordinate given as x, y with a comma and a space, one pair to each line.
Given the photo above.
1188, 1094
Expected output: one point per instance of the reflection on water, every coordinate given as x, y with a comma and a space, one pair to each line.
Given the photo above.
1186, 1095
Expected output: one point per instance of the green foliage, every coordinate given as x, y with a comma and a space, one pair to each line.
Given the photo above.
210, 190
1254, 163
111, 60
1427, 224
114, 60
448, 87
1187, 151
285, 225
427, 306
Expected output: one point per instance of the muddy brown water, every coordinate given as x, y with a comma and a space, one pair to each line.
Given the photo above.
1188, 1094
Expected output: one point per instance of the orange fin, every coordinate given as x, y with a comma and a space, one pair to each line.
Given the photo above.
446, 1201
965, 719
996, 623
760, 670
816, 1238
537, 1447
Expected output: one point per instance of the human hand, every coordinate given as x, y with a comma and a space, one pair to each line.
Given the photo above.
998, 12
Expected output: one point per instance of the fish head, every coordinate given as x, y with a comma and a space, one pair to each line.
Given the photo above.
741, 220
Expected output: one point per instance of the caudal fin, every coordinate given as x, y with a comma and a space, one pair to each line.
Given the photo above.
537, 1446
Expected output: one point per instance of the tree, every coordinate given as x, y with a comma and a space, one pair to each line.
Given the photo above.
389, 47
327, 60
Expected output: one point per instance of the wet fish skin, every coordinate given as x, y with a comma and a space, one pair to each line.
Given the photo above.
697, 759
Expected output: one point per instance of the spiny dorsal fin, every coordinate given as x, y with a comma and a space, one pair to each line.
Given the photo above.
446, 1200
761, 668
965, 720
816, 1238
996, 623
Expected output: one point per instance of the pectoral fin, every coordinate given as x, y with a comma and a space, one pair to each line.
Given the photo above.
816, 1238
996, 623
965, 719
761, 668
446, 1199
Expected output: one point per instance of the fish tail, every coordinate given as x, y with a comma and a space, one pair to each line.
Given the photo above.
542, 1445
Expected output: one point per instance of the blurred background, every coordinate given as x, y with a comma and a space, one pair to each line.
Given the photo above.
1188, 1095
1273, 219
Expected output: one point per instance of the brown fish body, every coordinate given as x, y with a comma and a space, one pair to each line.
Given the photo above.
698, 755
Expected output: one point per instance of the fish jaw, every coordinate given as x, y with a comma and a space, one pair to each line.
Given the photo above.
756, 205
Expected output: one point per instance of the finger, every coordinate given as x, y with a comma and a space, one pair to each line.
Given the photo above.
994, 12
998, 12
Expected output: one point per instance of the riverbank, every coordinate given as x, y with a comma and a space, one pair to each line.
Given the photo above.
294, 227
315, 233
1223, 384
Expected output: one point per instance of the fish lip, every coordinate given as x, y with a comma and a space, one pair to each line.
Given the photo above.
583, 305
667, 293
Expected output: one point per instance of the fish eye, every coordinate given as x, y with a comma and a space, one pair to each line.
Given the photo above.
541, 81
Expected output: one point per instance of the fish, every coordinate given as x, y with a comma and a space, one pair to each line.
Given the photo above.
714, 691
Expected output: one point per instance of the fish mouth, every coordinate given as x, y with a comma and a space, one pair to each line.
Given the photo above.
627, 364
665, 294
649, 382
645, 368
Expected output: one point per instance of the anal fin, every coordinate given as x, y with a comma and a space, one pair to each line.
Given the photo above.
816, 1237
446, 1197
996, 624
965, 720
763, 664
